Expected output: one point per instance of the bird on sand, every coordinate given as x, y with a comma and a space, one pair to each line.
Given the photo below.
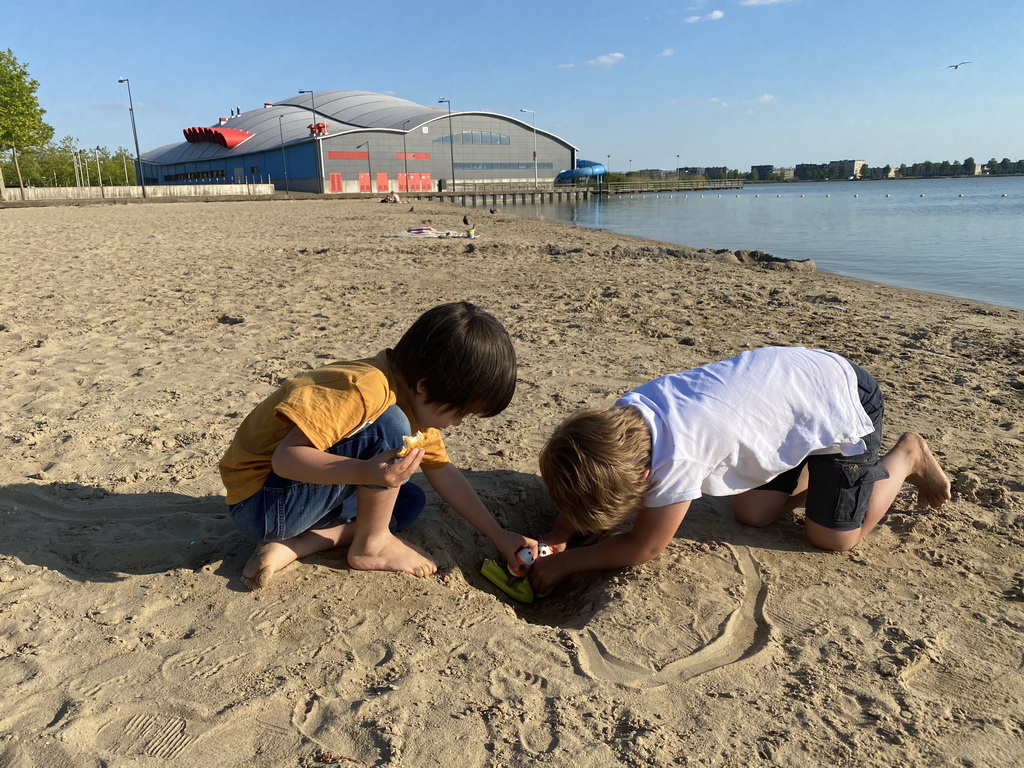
412, 208
493, 211
465, 220
957, 66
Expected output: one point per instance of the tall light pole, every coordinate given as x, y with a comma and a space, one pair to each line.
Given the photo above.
405, 153
536, 184
135, 135
99, 171
316, 140
284, 155
451, 138
369, 169
677, 166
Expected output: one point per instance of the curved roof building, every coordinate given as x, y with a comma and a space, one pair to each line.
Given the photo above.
358, 141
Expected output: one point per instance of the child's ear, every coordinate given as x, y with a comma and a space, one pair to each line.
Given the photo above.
645, 475
421, 387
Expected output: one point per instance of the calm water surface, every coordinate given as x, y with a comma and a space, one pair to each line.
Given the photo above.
962, 237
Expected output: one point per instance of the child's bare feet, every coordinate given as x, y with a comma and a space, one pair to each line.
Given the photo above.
390, 553
268, 559
927, 476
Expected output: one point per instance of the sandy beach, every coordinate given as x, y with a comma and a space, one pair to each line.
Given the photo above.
135, 338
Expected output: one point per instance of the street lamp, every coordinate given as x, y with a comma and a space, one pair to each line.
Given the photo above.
369, 169
536, 184
316, 142
135, 135
99, 171
451, 137
677, 166
405, 153
284, 155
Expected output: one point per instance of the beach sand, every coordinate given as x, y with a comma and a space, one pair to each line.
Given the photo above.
135, 338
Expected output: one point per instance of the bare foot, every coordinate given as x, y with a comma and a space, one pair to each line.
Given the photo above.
392, 554
268, 559
927, 476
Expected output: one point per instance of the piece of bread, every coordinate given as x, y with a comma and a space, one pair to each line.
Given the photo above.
408, 443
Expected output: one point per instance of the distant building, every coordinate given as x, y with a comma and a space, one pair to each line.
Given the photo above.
358, 141
836, 169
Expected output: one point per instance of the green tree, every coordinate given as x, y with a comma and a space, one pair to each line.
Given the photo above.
21, 118
970, 167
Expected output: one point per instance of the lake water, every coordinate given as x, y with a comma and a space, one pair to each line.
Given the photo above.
963, 237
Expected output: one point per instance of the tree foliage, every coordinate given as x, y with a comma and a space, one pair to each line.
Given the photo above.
21, 117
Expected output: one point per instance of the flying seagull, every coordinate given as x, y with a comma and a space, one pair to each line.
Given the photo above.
957, 66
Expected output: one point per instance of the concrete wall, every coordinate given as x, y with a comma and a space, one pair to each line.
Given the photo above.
111, 193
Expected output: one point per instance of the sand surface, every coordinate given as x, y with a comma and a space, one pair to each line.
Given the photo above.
134, 339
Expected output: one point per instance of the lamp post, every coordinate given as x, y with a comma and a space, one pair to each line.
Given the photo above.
536, 184
316, 139
369, 169
135, 135
99, 171
677, 167
284, 155
405, 154
451, 137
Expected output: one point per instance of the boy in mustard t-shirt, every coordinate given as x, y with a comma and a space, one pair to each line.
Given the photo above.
336, 431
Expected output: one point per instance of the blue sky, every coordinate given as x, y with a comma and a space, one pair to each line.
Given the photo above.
714, 82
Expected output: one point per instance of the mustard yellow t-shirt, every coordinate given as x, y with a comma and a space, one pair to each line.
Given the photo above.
328, 404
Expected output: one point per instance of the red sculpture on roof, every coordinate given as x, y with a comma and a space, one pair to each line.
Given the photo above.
226, 137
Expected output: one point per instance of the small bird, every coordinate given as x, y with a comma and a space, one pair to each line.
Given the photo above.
957, 66
465, 220
493, 211
412, 208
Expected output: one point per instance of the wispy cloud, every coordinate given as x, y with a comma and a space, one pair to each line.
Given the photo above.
667, 52
762, 2
607, 60
713, 16
566, 66
766, 98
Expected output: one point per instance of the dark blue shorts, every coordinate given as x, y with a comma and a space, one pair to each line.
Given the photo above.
284, 508
839, 487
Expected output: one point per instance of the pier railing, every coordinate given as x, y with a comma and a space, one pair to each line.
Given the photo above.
669, 185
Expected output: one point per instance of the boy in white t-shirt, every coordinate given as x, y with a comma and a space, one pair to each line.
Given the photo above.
773, 428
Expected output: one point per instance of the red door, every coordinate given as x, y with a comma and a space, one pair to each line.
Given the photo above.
335, 182
364, 183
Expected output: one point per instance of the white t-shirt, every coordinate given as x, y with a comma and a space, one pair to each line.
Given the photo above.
732, 426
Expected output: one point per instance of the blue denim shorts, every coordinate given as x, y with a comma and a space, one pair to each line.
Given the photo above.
839, 487
284, 508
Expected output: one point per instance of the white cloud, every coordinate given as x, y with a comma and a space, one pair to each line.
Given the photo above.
762, 2
713, 16
766, 98
667, 52
566, 66
607, 60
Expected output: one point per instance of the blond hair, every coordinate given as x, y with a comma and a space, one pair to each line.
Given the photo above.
595, 466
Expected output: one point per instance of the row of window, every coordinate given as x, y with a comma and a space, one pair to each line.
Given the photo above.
501, 166
474, 137
216, 173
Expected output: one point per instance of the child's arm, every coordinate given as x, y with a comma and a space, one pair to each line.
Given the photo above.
651, 532
296, 458
452, 486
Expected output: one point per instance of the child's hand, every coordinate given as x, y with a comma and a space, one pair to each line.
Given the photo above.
396, 471
546, 572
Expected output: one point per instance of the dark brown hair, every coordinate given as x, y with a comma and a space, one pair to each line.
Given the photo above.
463, 356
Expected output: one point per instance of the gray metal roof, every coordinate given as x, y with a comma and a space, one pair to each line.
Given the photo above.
288, 121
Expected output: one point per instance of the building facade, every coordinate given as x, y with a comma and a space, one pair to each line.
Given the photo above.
358, 141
